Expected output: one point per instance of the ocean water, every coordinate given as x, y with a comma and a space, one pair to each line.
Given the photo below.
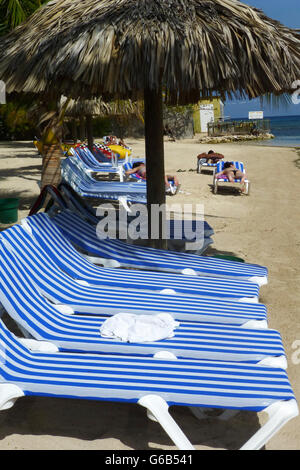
286, 130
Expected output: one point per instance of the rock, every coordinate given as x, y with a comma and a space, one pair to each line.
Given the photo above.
233, 138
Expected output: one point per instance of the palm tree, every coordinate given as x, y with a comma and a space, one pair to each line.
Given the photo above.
14, 12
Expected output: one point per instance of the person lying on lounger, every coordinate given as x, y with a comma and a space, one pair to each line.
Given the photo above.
139, 169
210, 157
113, 140
232, 173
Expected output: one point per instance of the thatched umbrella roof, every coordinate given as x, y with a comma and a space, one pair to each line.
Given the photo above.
126, 48
79, 107
99, 107
120, 47
86, 108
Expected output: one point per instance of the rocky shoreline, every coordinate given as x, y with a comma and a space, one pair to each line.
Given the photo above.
233, 138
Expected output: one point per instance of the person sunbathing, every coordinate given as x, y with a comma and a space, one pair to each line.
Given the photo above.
231, 173
139, 169
113, 140
210, 157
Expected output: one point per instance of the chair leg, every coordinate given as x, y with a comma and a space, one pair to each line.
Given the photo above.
279, 414
248, 188
9, 393
123, 201
158, 411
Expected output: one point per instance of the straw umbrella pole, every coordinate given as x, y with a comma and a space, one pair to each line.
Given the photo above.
136, 48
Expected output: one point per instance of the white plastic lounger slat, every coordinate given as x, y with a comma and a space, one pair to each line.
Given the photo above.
34, 314
84, 236
62, 252
58, 287
153, 383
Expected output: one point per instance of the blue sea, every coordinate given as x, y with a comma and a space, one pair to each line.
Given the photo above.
286, 130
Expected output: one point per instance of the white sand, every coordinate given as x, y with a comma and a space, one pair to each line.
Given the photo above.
263, 228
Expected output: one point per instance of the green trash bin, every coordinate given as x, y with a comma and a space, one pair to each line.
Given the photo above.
9, 210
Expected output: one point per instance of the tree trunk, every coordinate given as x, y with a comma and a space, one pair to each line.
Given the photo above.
51, 173
82, 129
155, 167
89, 128
74, 130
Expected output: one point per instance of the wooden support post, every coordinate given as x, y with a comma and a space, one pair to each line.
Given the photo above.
82, 129
89, 128
155, 167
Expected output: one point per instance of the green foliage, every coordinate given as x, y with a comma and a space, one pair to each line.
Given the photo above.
14, 12
15, 122
102, 126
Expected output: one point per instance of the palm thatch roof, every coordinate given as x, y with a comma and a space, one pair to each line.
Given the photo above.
99, 107
92, 107
85, 48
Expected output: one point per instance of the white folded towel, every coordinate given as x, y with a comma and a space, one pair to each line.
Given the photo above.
133, 328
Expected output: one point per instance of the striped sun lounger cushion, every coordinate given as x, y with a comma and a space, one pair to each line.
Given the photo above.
84, 236
84, 185
176, 227
93, 164
60, 288
22, 298
23, 301
62, 252
128, 379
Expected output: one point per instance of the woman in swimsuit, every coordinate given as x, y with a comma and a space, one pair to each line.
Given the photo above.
232, 173
139, 168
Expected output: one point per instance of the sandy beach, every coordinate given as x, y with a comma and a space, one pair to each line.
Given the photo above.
262, 228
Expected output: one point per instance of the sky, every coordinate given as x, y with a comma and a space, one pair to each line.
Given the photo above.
288, 13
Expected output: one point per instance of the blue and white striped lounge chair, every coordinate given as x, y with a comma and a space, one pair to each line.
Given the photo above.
203, 164
61, 289
39, 319
115, 253
173, 189
178, 239
76, 204
153, 383
102, 158
51, 239
128, 166
224, 179
91, 163
104, 153
74, 174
